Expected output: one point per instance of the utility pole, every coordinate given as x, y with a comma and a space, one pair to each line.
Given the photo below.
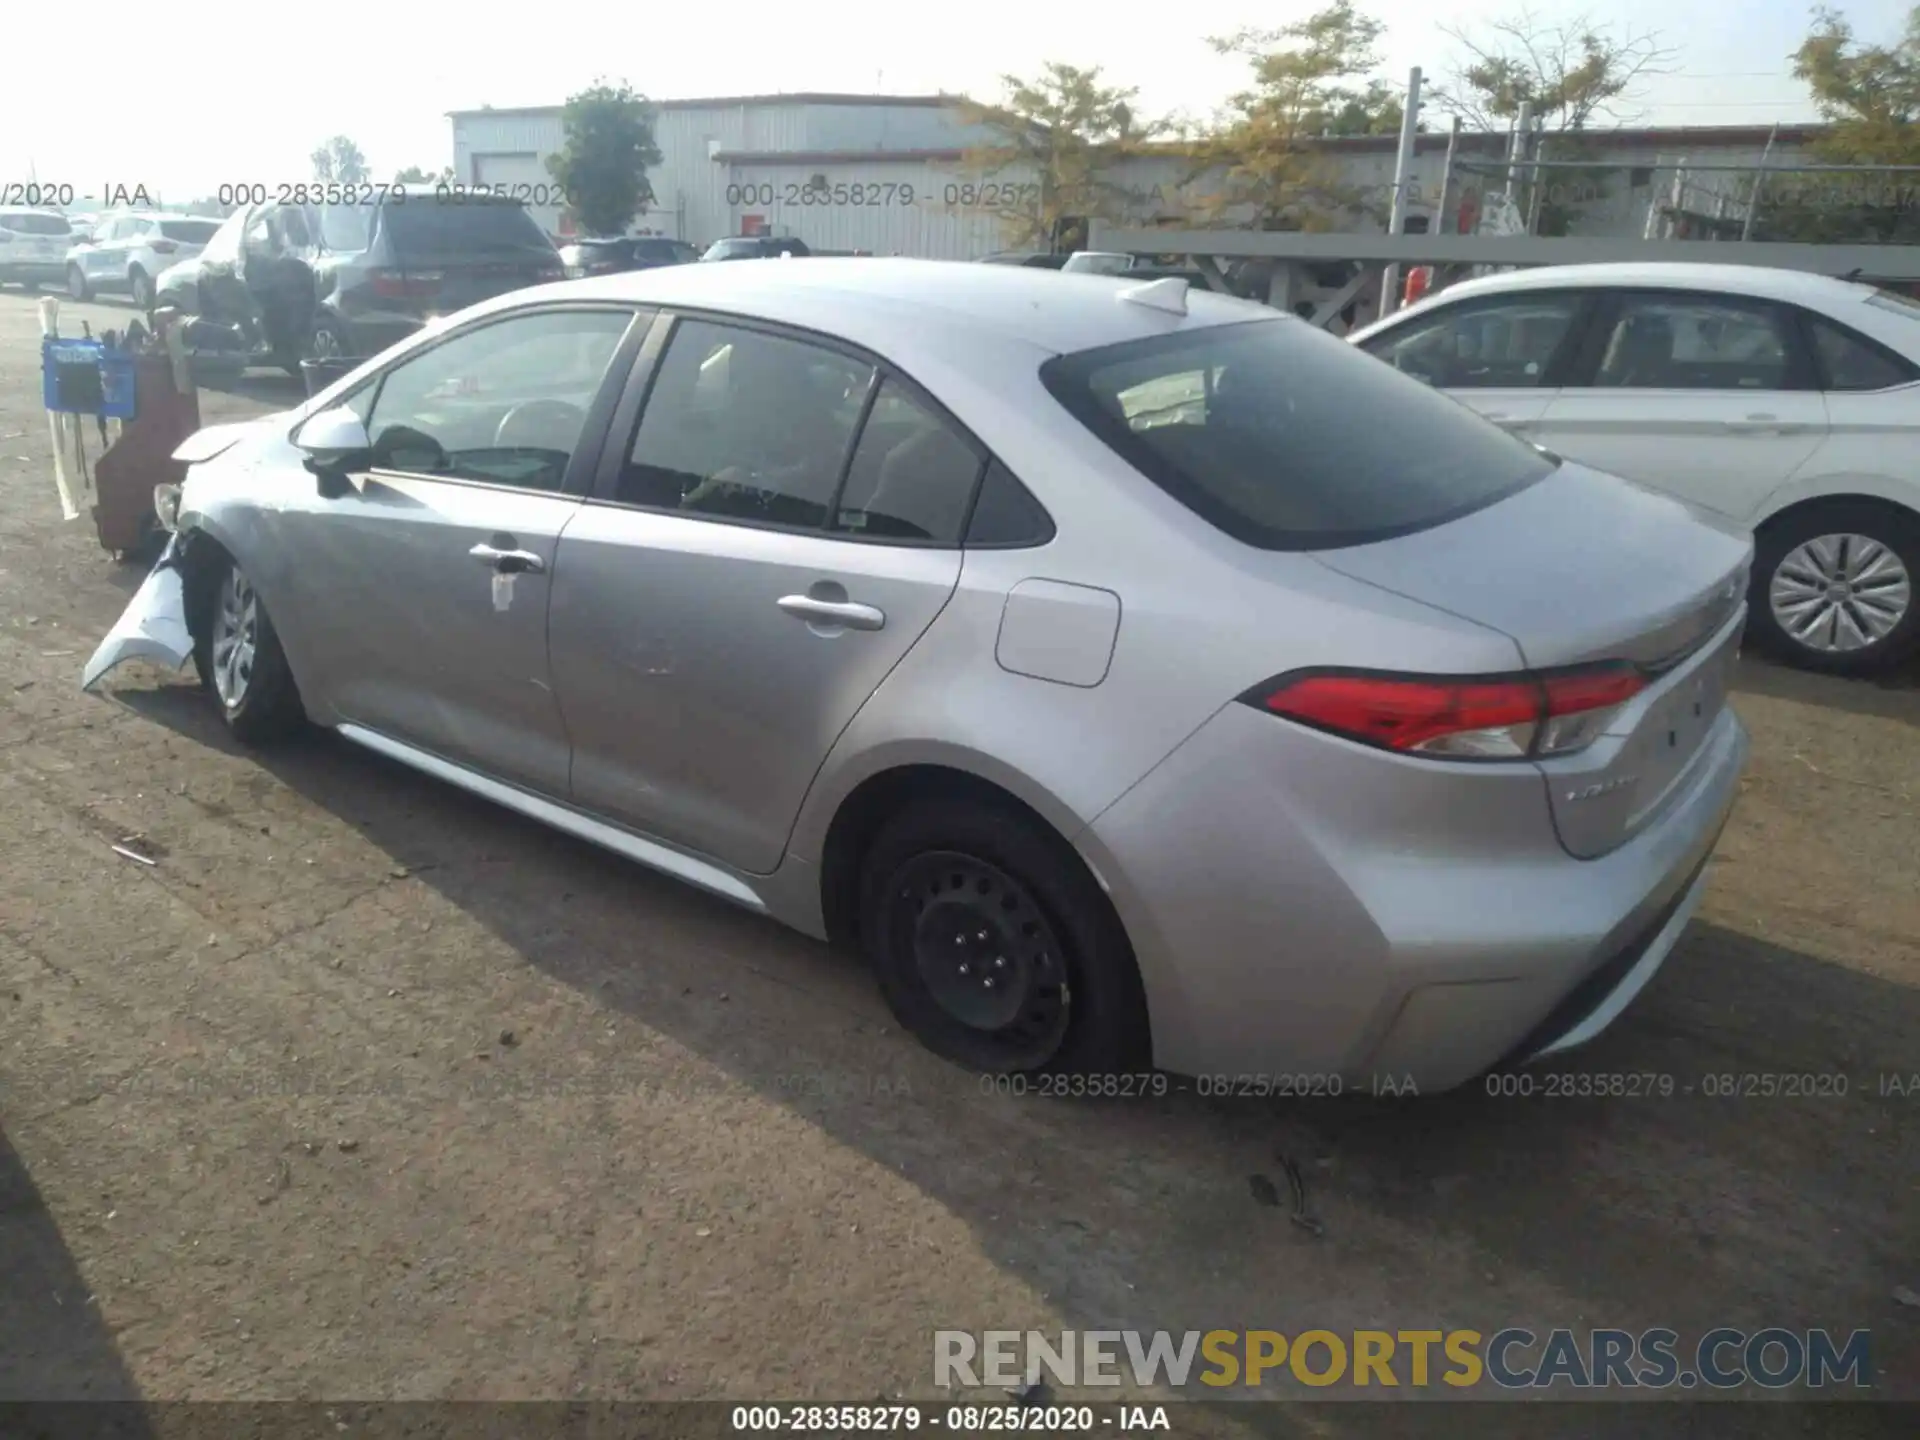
1402, 180
1446, 178
1753, 200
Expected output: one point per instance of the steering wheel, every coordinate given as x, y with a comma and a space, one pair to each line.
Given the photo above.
534, 421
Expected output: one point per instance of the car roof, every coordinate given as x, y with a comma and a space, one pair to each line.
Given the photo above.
889, 305
1761, 281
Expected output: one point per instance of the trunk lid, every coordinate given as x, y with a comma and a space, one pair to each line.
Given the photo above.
1584, 567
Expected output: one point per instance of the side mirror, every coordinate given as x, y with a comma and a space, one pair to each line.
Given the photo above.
334, 441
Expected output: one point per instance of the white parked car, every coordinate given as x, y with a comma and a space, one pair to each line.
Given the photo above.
1784, 401
127, 252
33, 246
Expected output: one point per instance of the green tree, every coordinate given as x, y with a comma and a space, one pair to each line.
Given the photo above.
339, 159
1309, 79
602, 163
1059, 133
1570, 73
418, 175
1869, 95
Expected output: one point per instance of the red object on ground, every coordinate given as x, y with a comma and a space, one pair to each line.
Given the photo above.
124, 477
1419, 278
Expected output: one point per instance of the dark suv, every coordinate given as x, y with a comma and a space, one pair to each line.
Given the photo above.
294, 281
755, 247
625, 252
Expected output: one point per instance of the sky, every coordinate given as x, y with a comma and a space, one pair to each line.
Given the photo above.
233, 101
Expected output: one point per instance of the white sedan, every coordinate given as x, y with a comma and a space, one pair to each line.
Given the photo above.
1784, 401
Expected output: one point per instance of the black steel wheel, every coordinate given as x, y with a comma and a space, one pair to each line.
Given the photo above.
994, 946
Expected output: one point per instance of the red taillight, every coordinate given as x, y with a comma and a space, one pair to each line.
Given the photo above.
397, 285
1498, 718
164, 247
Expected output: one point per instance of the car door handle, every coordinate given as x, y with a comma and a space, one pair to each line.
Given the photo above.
849, 613
508, 562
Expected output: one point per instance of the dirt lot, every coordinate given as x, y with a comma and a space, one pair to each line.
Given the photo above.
366, 1089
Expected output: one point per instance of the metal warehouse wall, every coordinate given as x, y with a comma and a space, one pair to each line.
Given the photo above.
952, 213
904, 207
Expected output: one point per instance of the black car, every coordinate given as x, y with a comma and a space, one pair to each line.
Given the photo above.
626, 252
755, 247
1037, 259
282, 282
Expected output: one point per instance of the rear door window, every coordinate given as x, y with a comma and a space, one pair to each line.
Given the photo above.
1287, 438
1696, 342
913, 474
1853, 362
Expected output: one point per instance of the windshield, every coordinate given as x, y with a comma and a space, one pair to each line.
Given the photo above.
189, 232
32, 222
1287, 438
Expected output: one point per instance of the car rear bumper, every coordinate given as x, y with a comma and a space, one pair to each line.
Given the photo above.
38, 268
1304, 907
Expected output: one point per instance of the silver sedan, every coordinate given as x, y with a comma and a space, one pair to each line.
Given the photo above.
1137, 676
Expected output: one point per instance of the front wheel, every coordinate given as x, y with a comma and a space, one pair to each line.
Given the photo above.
994, 946
1833, 587
77, 285
238, 655
142, 289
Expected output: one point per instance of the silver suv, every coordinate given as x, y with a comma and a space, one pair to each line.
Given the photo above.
127, 252
33, 246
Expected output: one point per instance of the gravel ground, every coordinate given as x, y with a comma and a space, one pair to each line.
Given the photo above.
367, 1089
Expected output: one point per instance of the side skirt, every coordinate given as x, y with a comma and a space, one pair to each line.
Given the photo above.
655, 856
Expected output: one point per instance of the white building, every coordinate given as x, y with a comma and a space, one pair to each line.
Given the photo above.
889, 174
882, 173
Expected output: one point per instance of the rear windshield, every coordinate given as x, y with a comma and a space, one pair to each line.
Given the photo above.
1896, 303
470, 226
664, 250
189, 232
29, 222
344, 227
1289, 439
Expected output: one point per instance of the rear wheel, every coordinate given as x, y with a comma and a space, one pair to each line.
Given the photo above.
1833, 587
77, 285
994, 946
238, 655
142, 288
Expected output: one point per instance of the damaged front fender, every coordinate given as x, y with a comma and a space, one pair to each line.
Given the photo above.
154, 624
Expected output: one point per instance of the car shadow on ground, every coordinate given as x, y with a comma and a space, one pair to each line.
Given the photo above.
1676, 1195
1891, 697
54, 1345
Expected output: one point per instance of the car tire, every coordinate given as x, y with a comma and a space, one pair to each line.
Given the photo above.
1833, 587
77, 285
238, 654
994, 946
141, 288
